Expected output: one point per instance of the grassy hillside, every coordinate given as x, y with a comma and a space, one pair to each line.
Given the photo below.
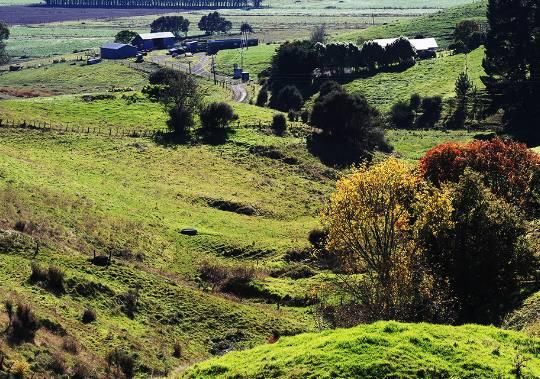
527, 317
427, 78
256, 59
439, 25
80, 193
73, 77
383, 350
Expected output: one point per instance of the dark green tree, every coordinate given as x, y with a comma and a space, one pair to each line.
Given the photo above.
402, 116
214, 23
174, 24
293, 64
512, 65
246, 28
180, 96
125, 36
4, 35
464, 89
288, 98
482, 255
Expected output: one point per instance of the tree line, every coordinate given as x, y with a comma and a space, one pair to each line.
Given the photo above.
213, 23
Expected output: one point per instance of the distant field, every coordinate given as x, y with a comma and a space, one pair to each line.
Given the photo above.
427, 78
439, 25
256, 59
282, 21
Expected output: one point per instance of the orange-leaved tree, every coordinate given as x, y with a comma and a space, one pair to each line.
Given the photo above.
509, 169
370, 223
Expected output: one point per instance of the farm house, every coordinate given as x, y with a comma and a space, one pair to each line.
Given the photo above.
425, 47
154, 41
118, 51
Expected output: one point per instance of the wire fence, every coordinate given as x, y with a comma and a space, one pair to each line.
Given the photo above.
295, 128
80, 129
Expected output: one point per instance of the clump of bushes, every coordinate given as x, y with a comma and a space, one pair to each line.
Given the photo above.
51, 278
227, 278
23, 323
418, 112
279, 124
215, 120
121, 364
89, 315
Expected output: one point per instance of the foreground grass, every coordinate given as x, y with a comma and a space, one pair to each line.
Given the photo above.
427, 78
383, 350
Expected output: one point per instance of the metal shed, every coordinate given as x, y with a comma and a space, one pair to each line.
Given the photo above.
118, 51
155, 41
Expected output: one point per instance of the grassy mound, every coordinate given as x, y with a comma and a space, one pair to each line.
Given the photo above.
384, 350
439, 25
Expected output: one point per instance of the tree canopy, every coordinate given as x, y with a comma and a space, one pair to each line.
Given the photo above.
125, 36
512, 65
4, 35
174, 24
214, 23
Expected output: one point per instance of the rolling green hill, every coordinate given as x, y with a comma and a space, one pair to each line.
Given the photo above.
439, 25
384, 350
427, 78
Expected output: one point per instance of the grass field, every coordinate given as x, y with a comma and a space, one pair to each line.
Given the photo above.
383, 349
256, 59
439, 25
77, 193
282, 21
427, 78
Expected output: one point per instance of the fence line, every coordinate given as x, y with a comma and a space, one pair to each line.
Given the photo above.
108, 131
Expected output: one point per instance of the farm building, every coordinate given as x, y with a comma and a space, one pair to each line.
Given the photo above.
425, 47
154, 41
234, 43
118, 51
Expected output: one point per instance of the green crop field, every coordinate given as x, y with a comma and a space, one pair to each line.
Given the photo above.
383, 349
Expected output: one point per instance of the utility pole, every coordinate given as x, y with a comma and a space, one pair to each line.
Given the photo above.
189, 66
214, 68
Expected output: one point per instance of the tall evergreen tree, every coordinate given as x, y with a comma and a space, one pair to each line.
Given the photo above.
512, 65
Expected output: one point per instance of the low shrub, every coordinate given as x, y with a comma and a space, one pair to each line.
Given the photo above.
82, 370
70, 345
177, 349
89, 315
52, 278
231, 279
130, 302
119, 362
20, 369
55, 279
279, 124
24, 324
38, 273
